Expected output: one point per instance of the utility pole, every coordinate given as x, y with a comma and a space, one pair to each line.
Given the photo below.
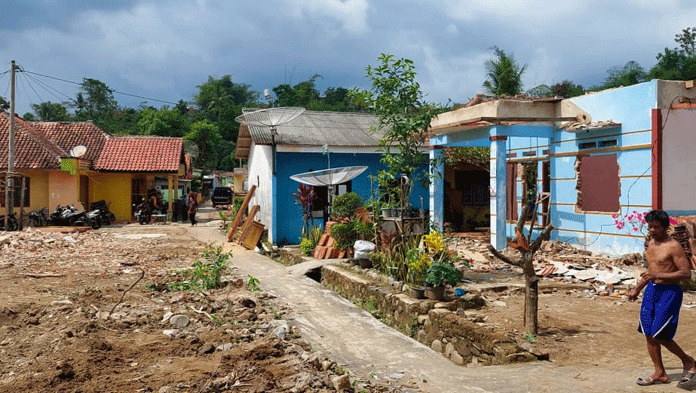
9, 180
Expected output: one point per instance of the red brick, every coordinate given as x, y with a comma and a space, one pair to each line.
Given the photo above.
332, 253
331, 242
317, 251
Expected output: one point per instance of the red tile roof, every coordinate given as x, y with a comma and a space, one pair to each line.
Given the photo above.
67, 135
141, 154
33, 150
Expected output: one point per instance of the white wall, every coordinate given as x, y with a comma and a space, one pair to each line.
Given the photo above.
679, 160
260, 175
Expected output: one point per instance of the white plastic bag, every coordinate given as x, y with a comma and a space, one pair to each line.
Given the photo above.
363, 248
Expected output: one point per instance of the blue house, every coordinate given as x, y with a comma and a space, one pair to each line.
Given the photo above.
313, 141
591, 161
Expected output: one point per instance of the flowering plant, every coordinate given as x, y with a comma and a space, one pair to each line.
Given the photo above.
434, 242
418, 264
634, 222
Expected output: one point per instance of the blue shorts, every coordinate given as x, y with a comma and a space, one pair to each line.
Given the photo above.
659, 312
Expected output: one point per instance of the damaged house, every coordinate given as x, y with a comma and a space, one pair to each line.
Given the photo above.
586, 163
311, 142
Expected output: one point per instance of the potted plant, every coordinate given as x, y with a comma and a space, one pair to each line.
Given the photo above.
418, 264
439, 274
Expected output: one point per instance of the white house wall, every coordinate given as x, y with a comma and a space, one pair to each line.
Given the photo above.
260, 175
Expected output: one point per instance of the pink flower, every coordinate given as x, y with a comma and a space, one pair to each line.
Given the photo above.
673, 221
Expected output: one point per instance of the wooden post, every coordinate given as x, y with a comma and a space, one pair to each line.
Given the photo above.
21, 202
170, 195
240, 214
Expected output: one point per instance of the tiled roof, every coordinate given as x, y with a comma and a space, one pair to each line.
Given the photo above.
32, 149
141, 154
68, 135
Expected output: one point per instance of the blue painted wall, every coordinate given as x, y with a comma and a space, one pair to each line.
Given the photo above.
631, 106
289, 215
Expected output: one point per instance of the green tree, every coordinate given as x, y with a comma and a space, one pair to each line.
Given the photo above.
218, 93
566, 89
503, 74
687, 41
220, 101
206, 135
479, 157
404, 117
630, 74
4, 104
95, 101
304, 94
163, 122
50, 111
125, 121
678, 63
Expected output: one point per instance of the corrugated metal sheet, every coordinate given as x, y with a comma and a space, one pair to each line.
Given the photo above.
322, 128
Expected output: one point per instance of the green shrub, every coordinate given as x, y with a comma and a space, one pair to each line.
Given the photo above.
441, 273
307, 246
314, 235
364, 230
344, 206
203, 275
344, 234
236, 204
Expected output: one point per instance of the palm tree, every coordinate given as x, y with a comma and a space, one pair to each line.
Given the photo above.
504, 76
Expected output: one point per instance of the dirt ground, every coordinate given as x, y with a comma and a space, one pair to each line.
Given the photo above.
56, 333
578, 324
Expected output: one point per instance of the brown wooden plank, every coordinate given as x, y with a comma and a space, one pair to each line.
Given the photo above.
249, 220
240, 214
251, 235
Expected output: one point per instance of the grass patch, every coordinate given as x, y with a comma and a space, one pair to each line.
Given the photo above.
206, 274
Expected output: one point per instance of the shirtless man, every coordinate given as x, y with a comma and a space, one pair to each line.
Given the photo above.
659, 312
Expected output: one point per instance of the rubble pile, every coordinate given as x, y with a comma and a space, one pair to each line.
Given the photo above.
76, 317
47, 251
558, 261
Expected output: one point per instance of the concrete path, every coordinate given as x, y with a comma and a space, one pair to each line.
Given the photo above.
356, 340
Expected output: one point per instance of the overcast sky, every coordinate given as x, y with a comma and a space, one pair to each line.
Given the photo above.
164, 49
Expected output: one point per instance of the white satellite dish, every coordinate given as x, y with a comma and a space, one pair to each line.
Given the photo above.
329, 177
78, 151
270, 117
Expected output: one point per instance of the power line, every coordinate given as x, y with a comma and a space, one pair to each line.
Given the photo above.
49, 88
114, 91
23, 78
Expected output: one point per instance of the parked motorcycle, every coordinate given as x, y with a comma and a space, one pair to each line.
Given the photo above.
143, 213
105, 216
12, 222
37, 218
69, 215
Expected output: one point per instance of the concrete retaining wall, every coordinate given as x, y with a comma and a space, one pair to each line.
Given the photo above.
439, 325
